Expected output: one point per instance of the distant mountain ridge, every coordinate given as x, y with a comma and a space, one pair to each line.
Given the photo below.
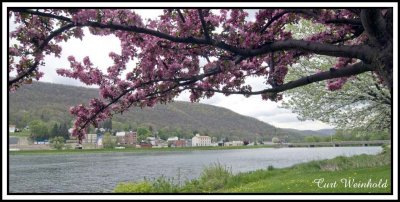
326, 132
51, 102
321, 132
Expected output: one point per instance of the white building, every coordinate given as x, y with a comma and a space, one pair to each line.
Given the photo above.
120, 134
201, 141
237, 143
153, 141
11, 128
100, 142
172, 139
92, 138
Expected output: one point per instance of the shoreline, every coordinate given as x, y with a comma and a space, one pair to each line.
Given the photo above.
133, 150
144, 150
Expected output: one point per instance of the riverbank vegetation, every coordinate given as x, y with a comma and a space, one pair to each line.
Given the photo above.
300, 178
350, 135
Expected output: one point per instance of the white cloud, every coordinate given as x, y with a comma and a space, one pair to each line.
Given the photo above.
266, 111
149, 13
96, 47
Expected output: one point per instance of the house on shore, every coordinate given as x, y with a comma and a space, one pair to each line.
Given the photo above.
11, 128
171, 139
176, 142
145, 145
201, 141
234, 143
153, 141
126, 138
90, 139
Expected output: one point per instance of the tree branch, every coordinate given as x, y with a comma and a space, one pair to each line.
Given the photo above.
119, 97
360, 52
204, 25
58, 17
357, 68
40, 49
181, 15
279, 15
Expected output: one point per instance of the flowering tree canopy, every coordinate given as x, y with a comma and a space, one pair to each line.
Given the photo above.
363, 103
171, 48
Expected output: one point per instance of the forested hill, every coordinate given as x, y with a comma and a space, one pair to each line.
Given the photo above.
50, 103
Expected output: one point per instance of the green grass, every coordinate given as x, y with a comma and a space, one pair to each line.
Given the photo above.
296, 179
136, 150
23, 133
302, 181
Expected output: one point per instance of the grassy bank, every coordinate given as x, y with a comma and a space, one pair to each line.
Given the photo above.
300, 178
135, 150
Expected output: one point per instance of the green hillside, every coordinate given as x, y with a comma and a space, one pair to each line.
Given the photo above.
50, 103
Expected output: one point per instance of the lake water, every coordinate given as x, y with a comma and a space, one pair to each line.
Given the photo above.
100, 172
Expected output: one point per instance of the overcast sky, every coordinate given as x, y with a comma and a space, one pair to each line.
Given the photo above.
98, 48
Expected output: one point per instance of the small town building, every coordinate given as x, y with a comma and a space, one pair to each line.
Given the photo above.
228, 144
120, 137
153, 141
11, 128
130, 138
178, 143
233, 143
100, 141
145, 145
126, 138
201, 141
170, 139
237, 143
90, 139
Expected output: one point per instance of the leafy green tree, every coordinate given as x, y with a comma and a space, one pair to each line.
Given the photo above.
26, 118
39, 130
311, 139
143, 133
109, 141
360, 135
57, 142
162, 134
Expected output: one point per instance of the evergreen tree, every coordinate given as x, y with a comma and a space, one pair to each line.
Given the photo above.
63, 131
107, 124
55, 131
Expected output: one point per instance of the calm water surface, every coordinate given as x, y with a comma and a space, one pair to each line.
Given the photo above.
96, 172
